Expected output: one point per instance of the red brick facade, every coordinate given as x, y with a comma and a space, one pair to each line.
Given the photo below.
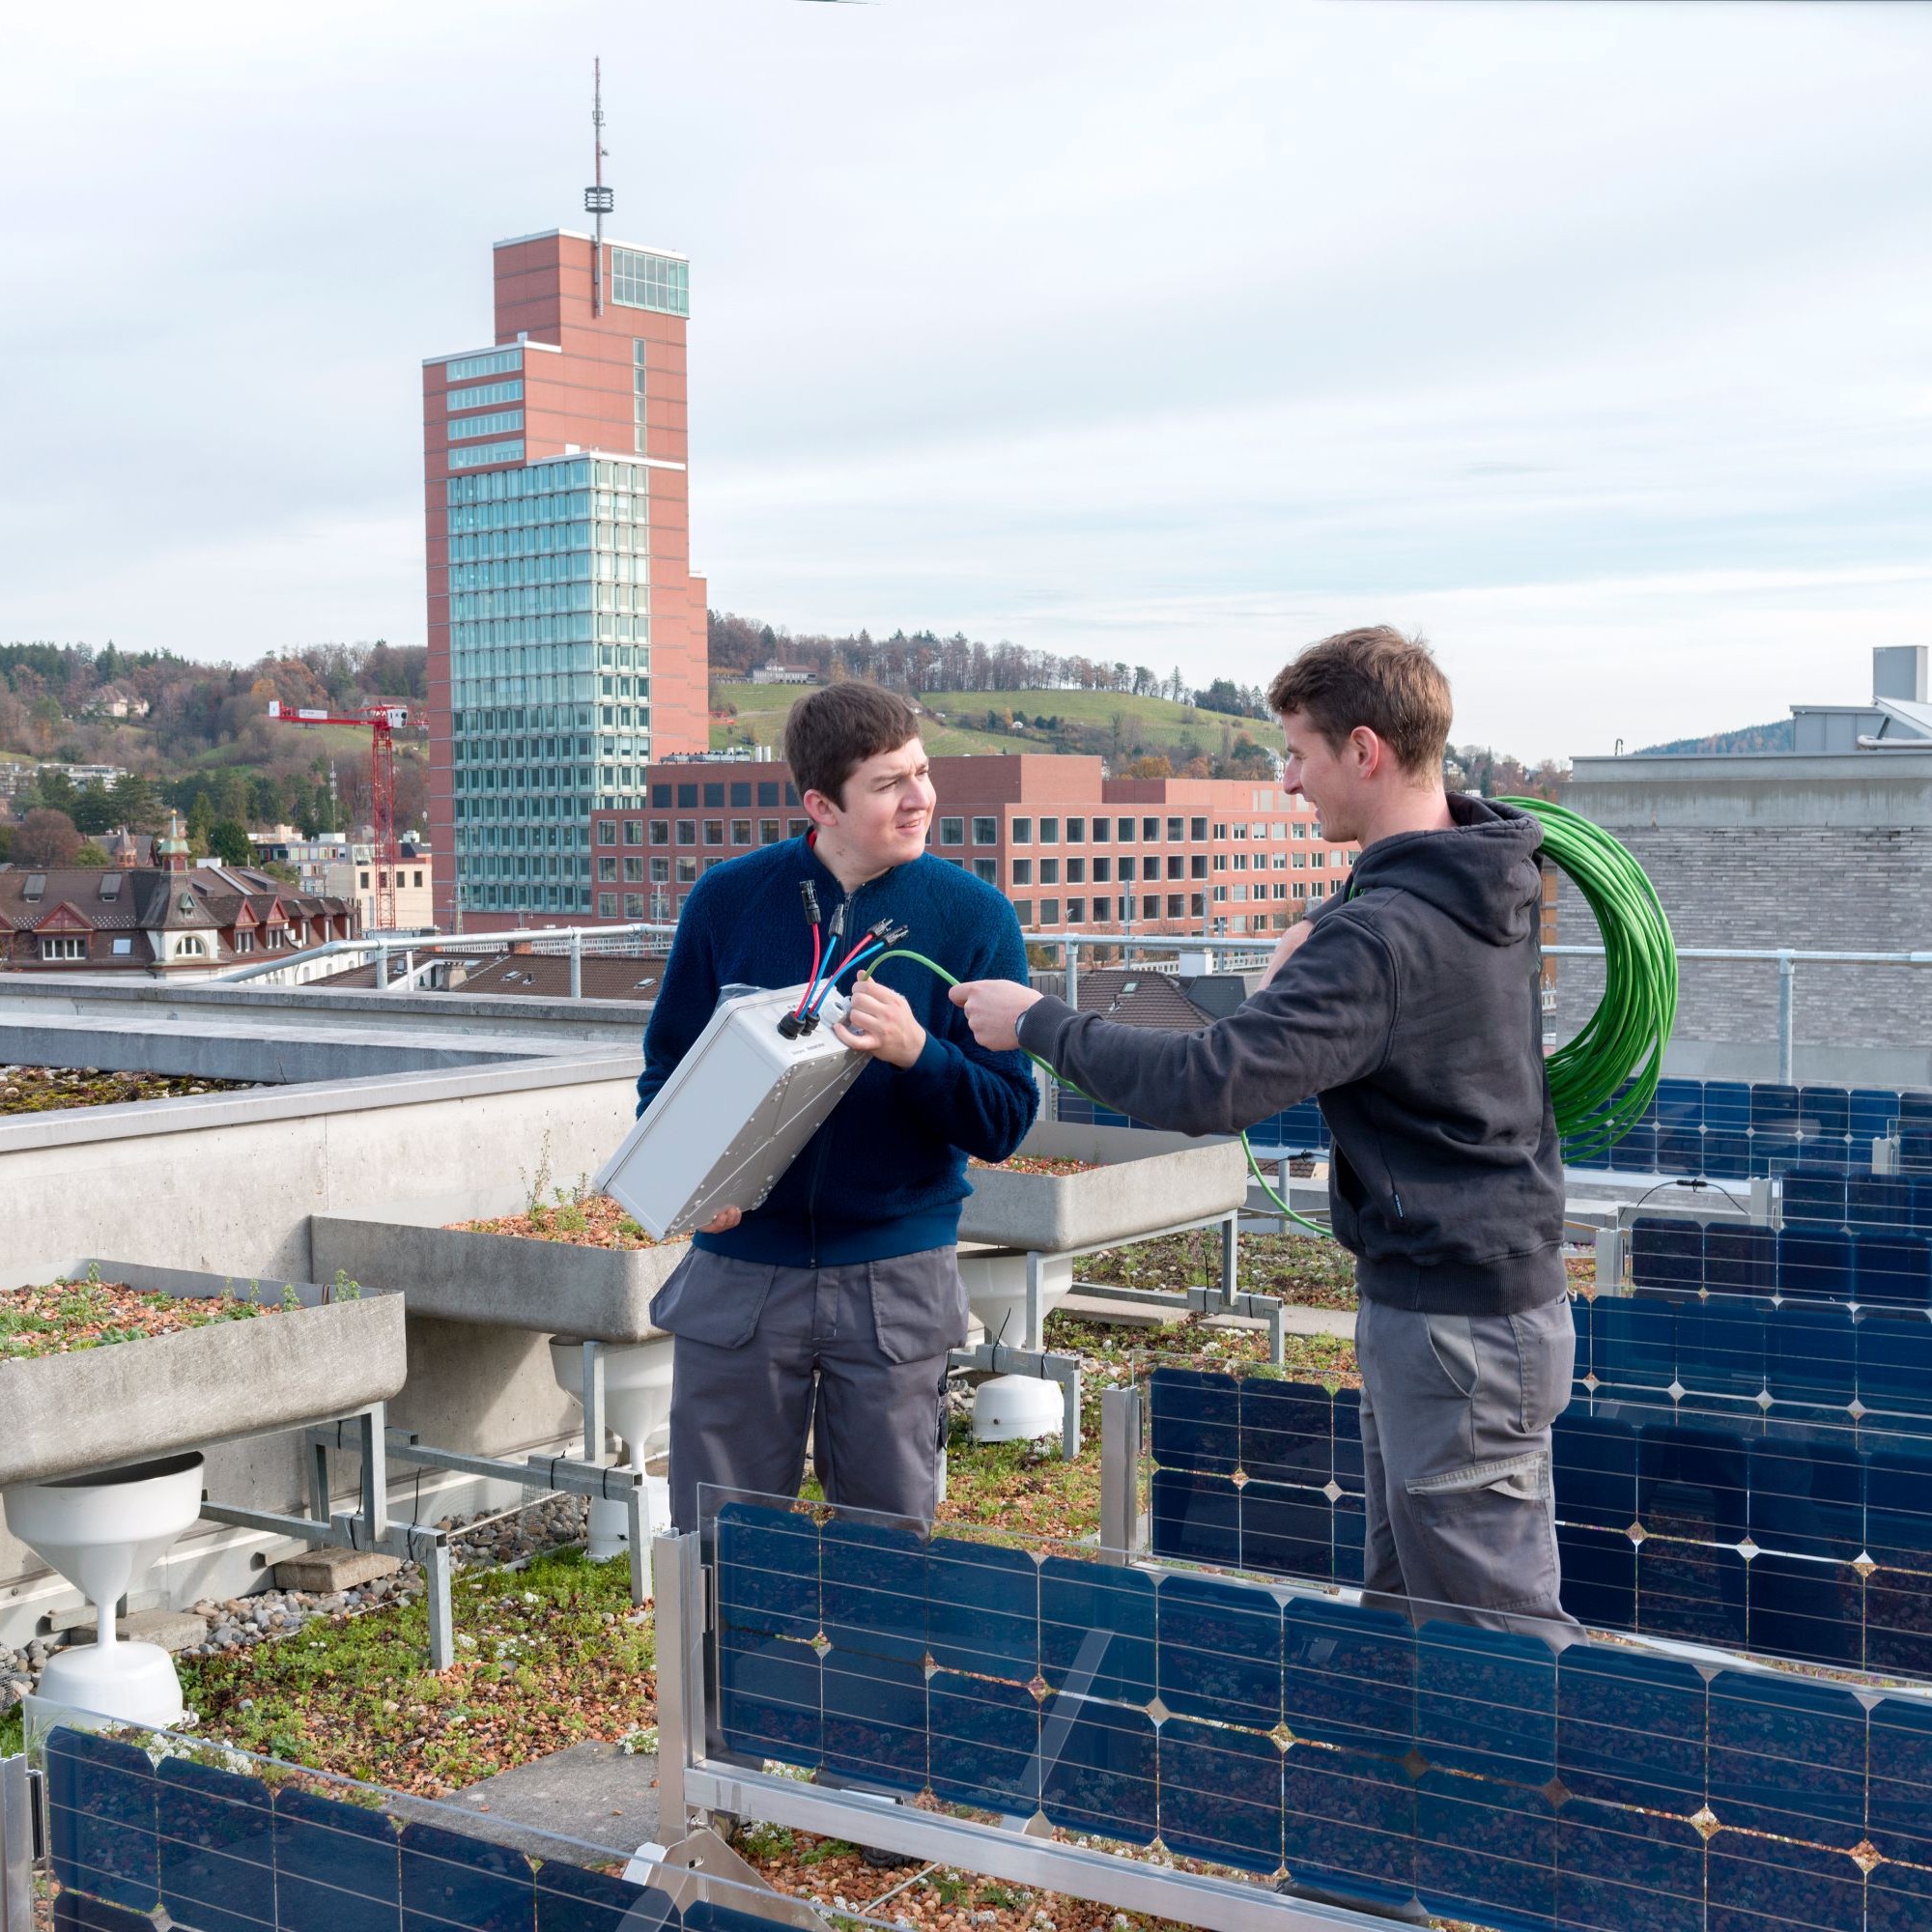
1072, 850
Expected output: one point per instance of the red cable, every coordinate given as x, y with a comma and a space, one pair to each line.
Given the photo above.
817, 954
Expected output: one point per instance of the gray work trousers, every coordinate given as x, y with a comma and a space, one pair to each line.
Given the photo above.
1455, 1447
856, 1354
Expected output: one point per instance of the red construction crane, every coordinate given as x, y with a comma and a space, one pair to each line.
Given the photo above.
382, 722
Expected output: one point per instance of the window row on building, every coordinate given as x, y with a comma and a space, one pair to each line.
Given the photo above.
497, 422
640, 280
486, 396
473, 454
491, 363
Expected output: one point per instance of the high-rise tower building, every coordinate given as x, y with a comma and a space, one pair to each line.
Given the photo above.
566, 632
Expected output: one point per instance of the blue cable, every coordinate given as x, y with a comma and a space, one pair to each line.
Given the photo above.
858, 959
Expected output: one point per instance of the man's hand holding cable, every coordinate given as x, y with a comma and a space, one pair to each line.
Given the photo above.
993, 1010
881, 1023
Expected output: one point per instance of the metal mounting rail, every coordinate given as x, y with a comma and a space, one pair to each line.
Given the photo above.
22, 1837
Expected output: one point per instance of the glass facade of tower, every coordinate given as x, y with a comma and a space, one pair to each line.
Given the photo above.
550, 672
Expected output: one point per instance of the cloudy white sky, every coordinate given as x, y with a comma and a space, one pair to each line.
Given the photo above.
1594, 340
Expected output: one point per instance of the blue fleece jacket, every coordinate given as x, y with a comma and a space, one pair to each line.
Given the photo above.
886, 1174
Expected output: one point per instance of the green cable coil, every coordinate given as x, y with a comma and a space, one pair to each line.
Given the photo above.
1602, 1082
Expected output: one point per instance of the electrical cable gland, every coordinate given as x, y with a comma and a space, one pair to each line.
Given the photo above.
735, 1113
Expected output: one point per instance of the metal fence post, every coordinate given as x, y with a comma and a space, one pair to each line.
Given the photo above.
1120, 1470
1072, 956
1787, 972
577, 965
16, 1846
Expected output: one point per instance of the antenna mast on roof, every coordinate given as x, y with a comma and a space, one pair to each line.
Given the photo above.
598, 200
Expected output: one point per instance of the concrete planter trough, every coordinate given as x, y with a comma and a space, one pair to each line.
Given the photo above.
132, 1401
1062, 1213
504, 1281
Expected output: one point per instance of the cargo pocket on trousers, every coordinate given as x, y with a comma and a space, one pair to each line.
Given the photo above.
1523, 1479
918, 1304
713, 1299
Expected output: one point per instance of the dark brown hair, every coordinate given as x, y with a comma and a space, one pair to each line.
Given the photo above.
1377, 677
832, 732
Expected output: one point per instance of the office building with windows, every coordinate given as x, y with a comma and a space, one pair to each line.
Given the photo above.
566, 632
1070, 847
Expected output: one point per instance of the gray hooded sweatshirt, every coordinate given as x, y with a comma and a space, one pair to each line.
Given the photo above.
1411, 1012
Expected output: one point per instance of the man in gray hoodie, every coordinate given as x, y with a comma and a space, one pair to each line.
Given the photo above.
1409, 1007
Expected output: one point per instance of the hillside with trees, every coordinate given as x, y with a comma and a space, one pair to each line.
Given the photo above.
196, 738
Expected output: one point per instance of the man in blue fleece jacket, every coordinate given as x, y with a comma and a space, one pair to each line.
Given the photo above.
833, 1305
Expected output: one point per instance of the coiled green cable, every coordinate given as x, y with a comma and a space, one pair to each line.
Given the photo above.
1602, 1082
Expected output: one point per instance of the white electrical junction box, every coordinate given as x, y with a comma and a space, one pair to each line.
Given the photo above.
733, 1115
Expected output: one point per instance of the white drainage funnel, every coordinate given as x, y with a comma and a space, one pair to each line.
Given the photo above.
637, 1406
1014, 1409
101, 1532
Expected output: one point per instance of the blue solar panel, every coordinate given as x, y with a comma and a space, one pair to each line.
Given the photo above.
1895, 1362
1287, 1432
1350, 1825
217, 1848
1617, 1869
1877, 1202
450, 1880
1486, 1702
1727, 1106
1630, 1728
1198, 1517
1898, 1506
1633, 1341
1722, 1346
1787, 1756
1220, 1795
1196, 1421
1595, 1465
1898, 1804
1667, 1253
1351, 1676
1874, 1111
1098, 1767
1599, 1577
986, 1742
1758, 1884
1635, 1151
1220, 1651
1825, 1111
1807, 1497
573, 1899
1808, 1610
337, 1866
76, 1911
1287, 1530
873, 1583
768, 1569
982, 1609
769, 1696
1813, 1356
1814, 1267
1740, 1258
1893, 1272
1680, 1151
1487, 1853
1773, 1109
1097, 1629
1679, 1103
1727, 1154
100, 1804
875, 1720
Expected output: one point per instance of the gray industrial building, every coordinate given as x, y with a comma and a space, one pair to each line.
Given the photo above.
1825, 847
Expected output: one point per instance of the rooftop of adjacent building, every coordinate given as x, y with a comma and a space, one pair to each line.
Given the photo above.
525, 974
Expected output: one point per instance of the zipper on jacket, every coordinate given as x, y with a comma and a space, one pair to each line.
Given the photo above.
850, 903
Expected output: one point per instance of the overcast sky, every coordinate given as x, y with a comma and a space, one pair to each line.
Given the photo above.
1593, 340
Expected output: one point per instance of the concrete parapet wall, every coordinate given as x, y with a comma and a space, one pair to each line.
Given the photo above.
1823, 888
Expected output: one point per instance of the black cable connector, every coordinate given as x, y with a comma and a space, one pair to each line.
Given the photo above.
809, 897
792, 1025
